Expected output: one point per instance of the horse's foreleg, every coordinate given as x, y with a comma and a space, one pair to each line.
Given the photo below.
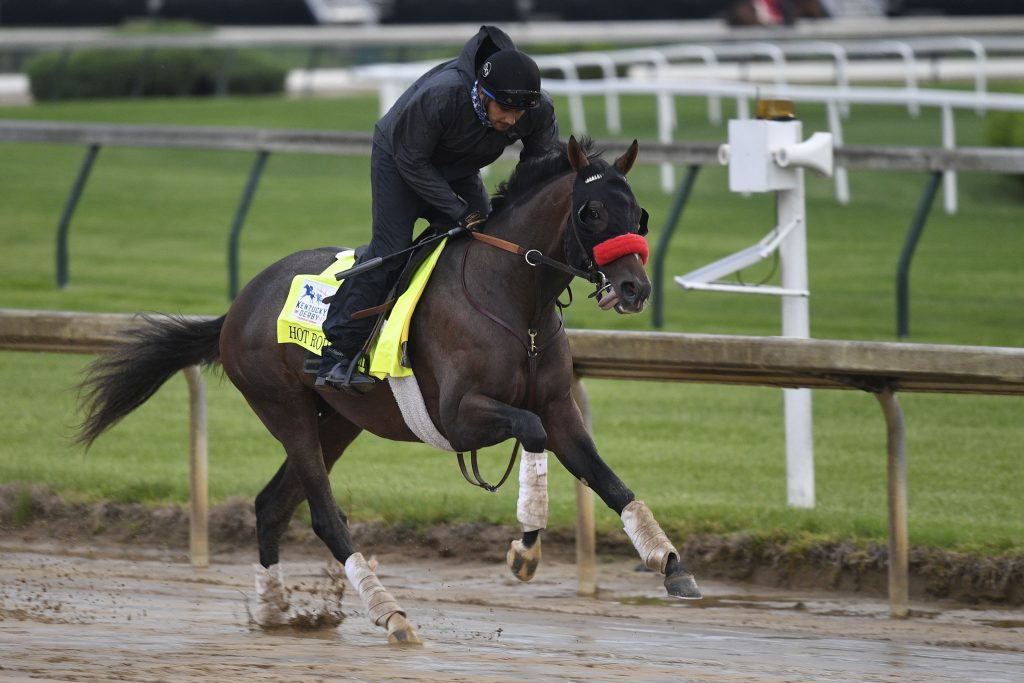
481, 419
657, 551
576, 451
532, 512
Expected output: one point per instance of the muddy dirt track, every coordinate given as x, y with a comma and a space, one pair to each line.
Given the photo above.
123, 613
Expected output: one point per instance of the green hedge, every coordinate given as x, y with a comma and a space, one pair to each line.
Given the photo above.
112, 12
162, 73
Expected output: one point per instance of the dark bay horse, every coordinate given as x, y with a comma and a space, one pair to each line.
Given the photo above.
491, 359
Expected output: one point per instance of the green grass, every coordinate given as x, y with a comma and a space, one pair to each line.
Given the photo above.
151, 231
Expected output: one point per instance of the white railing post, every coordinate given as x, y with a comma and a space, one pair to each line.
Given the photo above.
949, 142
796, 323
665, 123
768, 156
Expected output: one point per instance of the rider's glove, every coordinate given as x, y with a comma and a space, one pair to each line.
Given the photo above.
472, 220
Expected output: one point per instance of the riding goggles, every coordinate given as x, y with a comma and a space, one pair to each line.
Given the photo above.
514, 99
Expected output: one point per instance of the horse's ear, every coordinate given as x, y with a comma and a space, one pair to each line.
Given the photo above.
577, 157
626, 161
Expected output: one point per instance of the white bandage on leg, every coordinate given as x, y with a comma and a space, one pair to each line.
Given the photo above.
273, 606
532, 506
649, 540
377, 600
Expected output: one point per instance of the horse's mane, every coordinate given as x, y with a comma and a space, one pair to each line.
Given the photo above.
529, 174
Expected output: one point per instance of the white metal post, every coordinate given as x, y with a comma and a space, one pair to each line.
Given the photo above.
790, 209
768, 156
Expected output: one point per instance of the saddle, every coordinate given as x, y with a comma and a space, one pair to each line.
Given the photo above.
416, 258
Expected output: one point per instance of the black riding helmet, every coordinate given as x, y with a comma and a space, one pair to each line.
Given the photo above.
511, 79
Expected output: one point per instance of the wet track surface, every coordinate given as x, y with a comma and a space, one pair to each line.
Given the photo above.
129, 614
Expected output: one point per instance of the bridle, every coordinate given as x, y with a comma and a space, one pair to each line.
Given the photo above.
604, 252
535, 257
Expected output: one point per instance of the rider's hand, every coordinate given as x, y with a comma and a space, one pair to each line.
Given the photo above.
472, 220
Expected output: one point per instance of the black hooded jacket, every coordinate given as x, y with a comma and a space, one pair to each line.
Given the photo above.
435, 136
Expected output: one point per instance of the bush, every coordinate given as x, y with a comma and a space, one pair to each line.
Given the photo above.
160, 73
112, 12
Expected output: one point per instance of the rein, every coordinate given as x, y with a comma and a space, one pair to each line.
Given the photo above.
532, 351
535, 258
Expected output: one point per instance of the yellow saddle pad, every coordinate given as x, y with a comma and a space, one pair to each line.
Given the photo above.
302, 317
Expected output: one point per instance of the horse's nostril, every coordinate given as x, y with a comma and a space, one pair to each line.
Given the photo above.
627, 291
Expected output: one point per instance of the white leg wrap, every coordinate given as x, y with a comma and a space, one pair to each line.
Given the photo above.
377, 600
532, 507
273, 606
647, 537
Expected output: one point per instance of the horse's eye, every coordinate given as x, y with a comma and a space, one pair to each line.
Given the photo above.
592, 214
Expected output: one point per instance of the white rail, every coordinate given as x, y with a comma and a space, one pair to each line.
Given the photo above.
831, 97
653, 68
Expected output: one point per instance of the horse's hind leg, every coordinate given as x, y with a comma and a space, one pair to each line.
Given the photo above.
576, 451
293, 420
276, 503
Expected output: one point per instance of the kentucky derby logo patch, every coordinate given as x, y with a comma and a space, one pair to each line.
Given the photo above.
310, 306
304, 308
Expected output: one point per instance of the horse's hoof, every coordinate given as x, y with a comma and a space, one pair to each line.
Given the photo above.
523, 561
401, 632
683, 585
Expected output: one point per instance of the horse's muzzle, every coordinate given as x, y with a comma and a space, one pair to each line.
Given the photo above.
630, 287
632, 296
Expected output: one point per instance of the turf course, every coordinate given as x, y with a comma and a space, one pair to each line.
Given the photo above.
150, 234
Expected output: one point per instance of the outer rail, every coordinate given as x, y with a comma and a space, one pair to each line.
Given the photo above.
882, 368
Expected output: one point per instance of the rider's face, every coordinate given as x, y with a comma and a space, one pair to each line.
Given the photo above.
502, 119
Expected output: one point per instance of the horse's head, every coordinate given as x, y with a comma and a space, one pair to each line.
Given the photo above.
607, 227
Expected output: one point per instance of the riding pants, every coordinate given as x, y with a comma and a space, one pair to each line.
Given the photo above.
396, 206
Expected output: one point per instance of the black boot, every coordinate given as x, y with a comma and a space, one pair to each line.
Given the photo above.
339, 372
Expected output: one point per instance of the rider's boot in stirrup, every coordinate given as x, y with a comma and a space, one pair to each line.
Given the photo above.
339, 372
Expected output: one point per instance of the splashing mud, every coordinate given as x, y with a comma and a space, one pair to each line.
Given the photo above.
305, 614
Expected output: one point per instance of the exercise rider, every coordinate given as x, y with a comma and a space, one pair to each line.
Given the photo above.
427, 154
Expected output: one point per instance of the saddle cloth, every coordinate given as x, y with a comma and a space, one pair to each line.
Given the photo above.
304, 311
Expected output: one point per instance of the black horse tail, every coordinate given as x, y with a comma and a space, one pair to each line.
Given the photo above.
120, 381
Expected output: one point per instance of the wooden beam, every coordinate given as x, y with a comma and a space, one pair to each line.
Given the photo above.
661, 356
788, 362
